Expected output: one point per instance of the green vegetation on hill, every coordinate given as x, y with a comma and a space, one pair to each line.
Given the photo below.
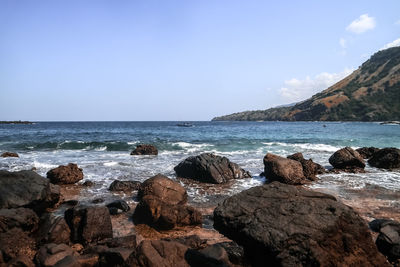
371, 93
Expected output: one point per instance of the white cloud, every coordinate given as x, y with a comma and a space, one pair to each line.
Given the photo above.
343, 42
297, 90
397, 22
391, 44
362, 24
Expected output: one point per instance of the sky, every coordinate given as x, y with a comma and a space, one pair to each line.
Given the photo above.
72, 60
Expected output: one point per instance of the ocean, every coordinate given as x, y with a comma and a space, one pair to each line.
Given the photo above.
102, 150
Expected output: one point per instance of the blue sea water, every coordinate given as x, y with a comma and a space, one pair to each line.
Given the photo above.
102, 149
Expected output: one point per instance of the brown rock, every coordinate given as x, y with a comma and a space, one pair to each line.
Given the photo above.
145, 149
160, 215
167, 190
51, 254
159, 253
69, 174
386, 158
9, 154
367, 152
15, 243
310, 169
283, 170
210, 168
21, 261
89, 223
347, 158
285, 225
25, 219
124, 186
53, 229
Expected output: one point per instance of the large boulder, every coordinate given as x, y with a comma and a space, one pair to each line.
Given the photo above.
310, 168
15, 243
124, 185
145, 149
367, 152
210, 168
388, 240
167, 190
152, 211
25, 219
386, 158
283, 170
285, 225
9, 155
69, 174
347, 159
89, 223
27, 189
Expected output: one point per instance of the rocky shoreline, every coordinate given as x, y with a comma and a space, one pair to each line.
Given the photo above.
44, 221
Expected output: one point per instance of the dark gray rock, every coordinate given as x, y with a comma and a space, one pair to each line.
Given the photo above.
346, 158
367, 152
53, 229
89, 223
27, 189
25, 219
386, 158
285, 225
210, 168
119, 204
388, 240
53, 254
124, 186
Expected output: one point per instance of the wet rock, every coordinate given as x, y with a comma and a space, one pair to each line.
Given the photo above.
52, 254
367, 152
386, 158
160, 253
310, 168
89, 223
88, 259
97, 200
192, 241
25, 219
145, 149
71, 202
88, 183
214, 255
167, 190
210, 168
235, 253
68, 261
27, 189
53, 229
388, 241
286, 225
283, 170
15, 243
164, 216
130, 241
114, 256
69, 174
124, 185
9, 155
347, 159
119, 205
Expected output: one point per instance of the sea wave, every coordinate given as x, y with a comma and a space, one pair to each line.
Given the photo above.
305, 146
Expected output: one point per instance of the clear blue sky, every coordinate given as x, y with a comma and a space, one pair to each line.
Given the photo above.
179, 60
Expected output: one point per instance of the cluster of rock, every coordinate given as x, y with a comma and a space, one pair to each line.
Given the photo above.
145, 149
9, 155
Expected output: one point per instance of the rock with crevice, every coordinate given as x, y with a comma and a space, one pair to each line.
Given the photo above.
52, 254
347, 159
15, 243
53, 229
285, 225
367, 152
25, 219
210, 168
310, 168
283, 170
388, 240
68, 174
386, 158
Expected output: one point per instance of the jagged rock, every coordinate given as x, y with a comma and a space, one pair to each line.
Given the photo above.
388, 241
347, 158
124, 185
27, 189
89, 223
69, 174
52, 254
285, 225
310, 168
283, 170
25, 219
367, 152
53, 229
161, 215
119, 205
145, 149
15, 243
9, 155
210, 168
160, 253
165, 189
386, 158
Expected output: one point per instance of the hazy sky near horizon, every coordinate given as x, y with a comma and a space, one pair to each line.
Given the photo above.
179, 60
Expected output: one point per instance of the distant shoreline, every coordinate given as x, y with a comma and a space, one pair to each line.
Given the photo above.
16, 122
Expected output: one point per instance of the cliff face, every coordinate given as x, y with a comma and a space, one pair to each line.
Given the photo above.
371, 93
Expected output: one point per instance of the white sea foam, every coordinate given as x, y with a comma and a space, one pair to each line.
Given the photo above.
109, 164
102, 148
306, 146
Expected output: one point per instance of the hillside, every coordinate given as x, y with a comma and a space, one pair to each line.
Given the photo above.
370, 93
